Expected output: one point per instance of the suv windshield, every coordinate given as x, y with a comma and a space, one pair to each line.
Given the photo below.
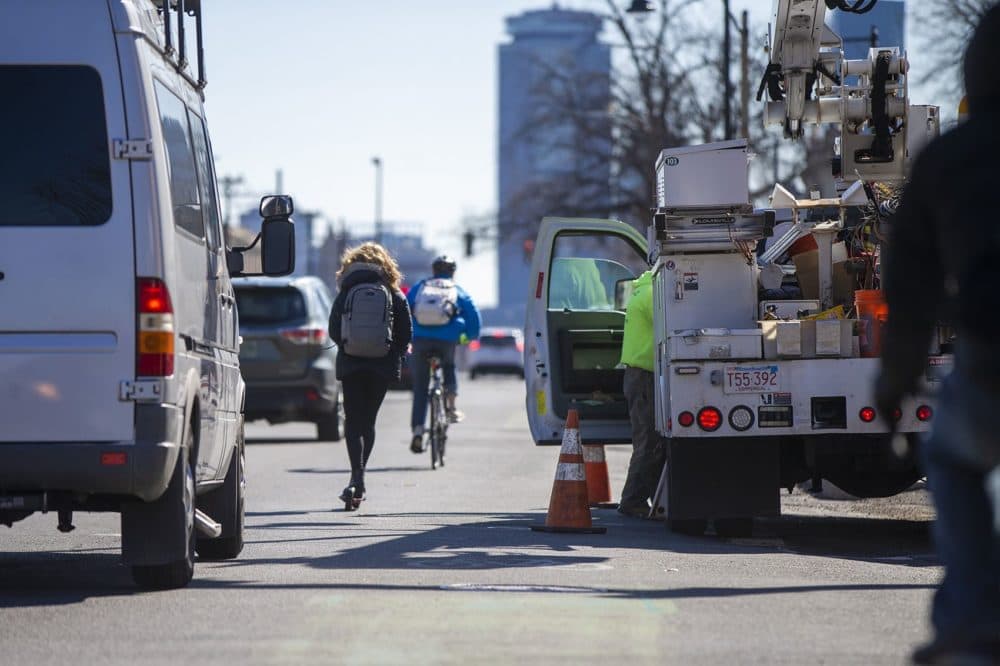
269, 305
54, 166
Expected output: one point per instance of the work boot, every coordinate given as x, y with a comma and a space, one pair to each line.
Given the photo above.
417, 443
454, 416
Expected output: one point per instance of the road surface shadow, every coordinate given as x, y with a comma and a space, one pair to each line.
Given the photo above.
60, 578
368, 470
283, 440
905, 542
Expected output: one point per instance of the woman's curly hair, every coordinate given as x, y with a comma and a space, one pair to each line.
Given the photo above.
372, 253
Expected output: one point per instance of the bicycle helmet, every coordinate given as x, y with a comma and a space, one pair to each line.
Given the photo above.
444, 266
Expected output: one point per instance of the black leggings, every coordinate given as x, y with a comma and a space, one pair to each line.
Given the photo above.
363, 395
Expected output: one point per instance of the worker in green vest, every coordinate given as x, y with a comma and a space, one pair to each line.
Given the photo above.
637, 357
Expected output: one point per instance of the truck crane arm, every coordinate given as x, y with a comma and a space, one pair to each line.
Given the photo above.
809, 81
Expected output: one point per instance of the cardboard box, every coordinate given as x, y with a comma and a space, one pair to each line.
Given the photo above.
807, 271
823, 338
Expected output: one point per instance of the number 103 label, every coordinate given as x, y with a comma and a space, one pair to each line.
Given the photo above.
751, 379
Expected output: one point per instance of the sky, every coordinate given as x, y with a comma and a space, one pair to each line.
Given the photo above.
317, 88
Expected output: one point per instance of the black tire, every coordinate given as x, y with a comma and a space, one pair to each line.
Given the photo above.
227, 505
734, 527
181, 493
328, 427
689, 526
434, 430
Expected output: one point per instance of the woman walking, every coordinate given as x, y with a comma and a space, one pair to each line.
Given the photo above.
370, 322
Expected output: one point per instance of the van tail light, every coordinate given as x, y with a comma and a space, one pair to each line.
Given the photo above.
304, 336
474, 345
155, 312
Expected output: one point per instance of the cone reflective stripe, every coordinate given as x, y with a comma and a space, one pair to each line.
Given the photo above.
596, 466
569, 510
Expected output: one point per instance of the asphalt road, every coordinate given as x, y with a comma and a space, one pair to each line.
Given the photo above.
441, 567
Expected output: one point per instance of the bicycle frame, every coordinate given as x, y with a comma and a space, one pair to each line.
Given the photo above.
438, 433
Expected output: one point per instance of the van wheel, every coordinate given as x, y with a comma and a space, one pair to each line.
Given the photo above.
328, 427
228, 506
179, 498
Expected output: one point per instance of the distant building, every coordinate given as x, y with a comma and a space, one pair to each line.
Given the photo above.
543, 42
885, 24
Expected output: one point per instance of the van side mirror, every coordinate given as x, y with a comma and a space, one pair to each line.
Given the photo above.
272, 252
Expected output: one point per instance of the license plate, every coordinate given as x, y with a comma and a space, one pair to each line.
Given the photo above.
259, 350
751, 379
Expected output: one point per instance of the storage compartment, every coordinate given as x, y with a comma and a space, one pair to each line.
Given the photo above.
589, 374
714, 343
789, 309
713, 174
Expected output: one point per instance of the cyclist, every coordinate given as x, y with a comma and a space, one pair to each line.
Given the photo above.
443, 316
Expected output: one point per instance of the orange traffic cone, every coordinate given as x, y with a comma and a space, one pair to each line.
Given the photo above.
598, 483
569, 510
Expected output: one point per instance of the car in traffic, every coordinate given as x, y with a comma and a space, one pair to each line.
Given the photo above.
286, 355
499, 350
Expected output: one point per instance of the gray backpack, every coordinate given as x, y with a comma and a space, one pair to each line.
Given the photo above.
366, 323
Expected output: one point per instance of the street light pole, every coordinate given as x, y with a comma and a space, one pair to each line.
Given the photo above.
377, 161
745, 74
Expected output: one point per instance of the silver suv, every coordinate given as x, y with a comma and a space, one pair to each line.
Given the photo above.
286, 356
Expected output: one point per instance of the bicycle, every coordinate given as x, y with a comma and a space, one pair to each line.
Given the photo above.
438, 432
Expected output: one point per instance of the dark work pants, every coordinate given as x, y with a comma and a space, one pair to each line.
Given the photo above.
647, 450
363, 395
421, 372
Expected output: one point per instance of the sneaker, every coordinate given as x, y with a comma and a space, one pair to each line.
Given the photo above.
417, 443
455, 416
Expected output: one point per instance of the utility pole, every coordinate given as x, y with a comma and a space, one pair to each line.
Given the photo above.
229, 183
745, 74
727, 112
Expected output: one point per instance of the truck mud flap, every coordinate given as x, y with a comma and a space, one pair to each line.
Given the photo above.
719, 478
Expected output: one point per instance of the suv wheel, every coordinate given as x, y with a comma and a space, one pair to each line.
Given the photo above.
179, 498
228, 506
328, 427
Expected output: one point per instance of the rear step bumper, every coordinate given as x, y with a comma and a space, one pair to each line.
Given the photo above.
97, 467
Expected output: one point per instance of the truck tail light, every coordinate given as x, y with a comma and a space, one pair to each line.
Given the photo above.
867, 414
685, 419
155, 340
304, 336
741, 418
924, 413
709, 419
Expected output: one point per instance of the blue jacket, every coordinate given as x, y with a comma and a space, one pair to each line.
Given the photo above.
466, 320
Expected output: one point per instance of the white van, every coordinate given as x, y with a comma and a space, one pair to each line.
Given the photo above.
120, 387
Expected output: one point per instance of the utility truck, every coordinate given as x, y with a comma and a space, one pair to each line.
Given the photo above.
764, 365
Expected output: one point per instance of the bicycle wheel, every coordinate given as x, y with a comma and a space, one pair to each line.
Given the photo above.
435, 428
442, 435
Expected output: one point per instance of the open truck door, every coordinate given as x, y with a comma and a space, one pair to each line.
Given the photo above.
575, 319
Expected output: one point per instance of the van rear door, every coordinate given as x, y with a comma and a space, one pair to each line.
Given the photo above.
574, 327
67, 268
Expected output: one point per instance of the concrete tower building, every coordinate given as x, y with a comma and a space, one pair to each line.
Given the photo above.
535, 151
